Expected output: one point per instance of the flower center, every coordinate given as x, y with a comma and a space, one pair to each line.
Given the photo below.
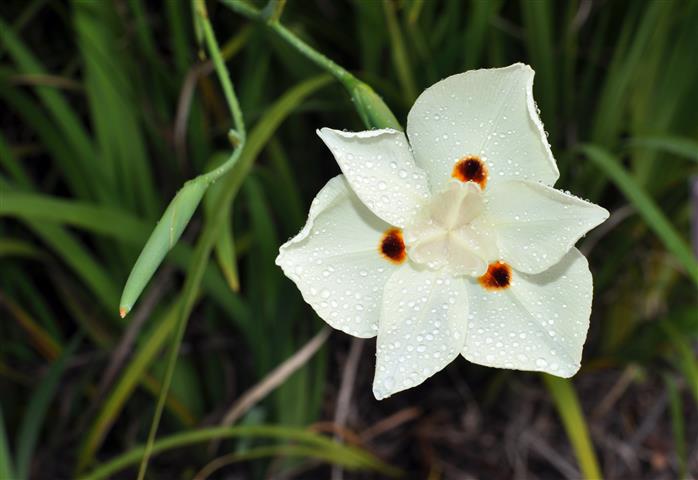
447, 233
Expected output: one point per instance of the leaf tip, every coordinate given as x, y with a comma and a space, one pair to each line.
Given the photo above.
123, 311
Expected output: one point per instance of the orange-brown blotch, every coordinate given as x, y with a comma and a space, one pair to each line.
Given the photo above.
392, 246
497, 277
470, 169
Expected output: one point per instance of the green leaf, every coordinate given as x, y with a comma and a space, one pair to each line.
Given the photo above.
35, 414
398, 52
644, 204
679, 146
43, 212
164, 237
249, 150
10, 163
115, 112
54, 210
6, 469
225, 252
565, 398
10, 247
347, 456
686, 357
65, 119
677, 424
626, 66
75, 255
124, 387
225, 243
538, 23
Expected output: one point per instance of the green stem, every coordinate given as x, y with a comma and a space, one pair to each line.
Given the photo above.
369, 105
272, 12
228, 90
207, 240
189, 293
242, 8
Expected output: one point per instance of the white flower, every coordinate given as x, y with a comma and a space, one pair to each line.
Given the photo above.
452, 243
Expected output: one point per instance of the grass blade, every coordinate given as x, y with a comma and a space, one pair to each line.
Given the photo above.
165, 235
112, 102
36, 209
225, 244
677, 424
65, 119
207, 239
182, 207
679, 146
567, 404
35, 414
686, 358
6, 469
257, 139
351, 455
17, 248
644, 204
127, 383
75, 255
225, 253
401, 60
538, 23
53, 210
40, 338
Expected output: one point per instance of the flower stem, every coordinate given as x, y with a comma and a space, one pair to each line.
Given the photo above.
272, 21
272, 12
369, 105
205, 243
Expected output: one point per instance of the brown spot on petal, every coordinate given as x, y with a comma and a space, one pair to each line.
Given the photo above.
392, 246
497, 277
470, 169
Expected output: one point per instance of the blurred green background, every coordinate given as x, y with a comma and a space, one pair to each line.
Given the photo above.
108, 106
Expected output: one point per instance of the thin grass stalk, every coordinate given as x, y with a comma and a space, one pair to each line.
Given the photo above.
567, 404
207, 239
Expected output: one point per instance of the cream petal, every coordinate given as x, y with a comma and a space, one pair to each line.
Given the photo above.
335, 260
488, 113
421, 329
538, 323
536, 225
379, 167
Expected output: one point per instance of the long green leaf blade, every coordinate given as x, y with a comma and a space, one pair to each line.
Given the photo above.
350, 455
649, 210
35, 414
6, 469
567, 404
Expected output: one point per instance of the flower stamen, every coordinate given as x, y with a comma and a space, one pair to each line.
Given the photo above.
497, 277
392, 246
470, 169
